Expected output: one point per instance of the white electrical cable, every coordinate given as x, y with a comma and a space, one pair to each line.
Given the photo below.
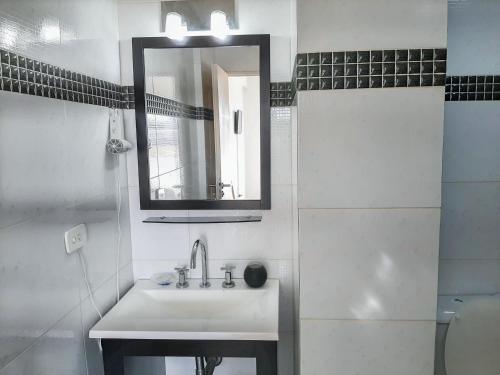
119, 229
84, 271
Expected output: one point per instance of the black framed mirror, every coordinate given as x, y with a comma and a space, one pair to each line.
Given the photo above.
202, 107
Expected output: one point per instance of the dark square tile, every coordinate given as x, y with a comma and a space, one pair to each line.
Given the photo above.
351, 70
440, 54
388, 68
13, 60
313, 58
301, 84
338, 83
375, 68
447, 97
472, 79
496, 96
16, 87
463, 96
402, 80
389, 56
23, 74
375, 81
427, 54
351, 57
301, 71
480, 87
440, 67
488, 87
471, 96
313, 84
351, 82
496, 87
488, 79
363, 82
6, 84
455, 80
24, 88
312, 71
4, 57
326, 58
274, 94
426, 80
480, 79
338, 57
325, 83
44, 69
439, 80
376, 56
274, 85
363, 56
326, 71
427, 67
401, 55
6, 70
401, 68
363, 69
388, 81
414, 68
338, 70
30, 64
496, 79
414, 55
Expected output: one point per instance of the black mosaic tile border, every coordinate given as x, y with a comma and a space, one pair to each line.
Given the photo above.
33, 77
472, 88
370, 69
158, 105
282, 94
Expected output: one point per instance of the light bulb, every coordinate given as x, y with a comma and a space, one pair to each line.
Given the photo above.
173, 26
218, 24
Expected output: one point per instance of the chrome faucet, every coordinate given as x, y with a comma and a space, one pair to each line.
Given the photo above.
204, 278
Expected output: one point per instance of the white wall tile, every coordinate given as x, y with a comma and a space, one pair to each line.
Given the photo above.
83, 30
469, 276
39, 283
473, 26
281, 146
367, 347
370, 24
471, 135
386, 155
470, 217
369, 264
59, 351
269, 239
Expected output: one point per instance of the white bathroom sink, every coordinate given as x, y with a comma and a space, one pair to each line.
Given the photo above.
151, 311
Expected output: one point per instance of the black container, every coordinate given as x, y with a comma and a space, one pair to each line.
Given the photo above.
255, 275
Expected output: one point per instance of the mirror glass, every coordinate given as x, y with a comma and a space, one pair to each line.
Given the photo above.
203, 123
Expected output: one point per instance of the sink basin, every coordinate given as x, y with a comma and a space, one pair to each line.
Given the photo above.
151, 311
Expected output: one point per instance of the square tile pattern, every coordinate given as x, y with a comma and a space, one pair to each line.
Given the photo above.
312, 71
28, 76
370, 69
157, 105
472, 88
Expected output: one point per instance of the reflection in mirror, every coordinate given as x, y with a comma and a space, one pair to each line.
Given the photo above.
203, 123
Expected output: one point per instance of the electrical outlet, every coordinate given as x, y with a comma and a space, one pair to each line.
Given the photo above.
75, 238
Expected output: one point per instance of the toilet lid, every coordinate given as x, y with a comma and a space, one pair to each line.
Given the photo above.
473, 338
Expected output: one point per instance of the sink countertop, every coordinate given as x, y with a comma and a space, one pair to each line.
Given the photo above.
155, 312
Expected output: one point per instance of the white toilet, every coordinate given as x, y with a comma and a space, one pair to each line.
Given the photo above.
468, 335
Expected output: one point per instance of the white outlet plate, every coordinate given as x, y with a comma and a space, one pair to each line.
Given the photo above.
75, 238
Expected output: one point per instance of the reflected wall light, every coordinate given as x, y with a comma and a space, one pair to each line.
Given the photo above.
218, 24
174, 28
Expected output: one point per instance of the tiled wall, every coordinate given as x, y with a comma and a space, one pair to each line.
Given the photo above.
161, 247
369, 197
469, 239
56, 174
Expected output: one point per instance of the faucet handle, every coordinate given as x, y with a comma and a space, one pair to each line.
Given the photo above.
182, 272
228, 277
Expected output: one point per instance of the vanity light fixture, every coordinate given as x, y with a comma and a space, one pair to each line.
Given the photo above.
174, 28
